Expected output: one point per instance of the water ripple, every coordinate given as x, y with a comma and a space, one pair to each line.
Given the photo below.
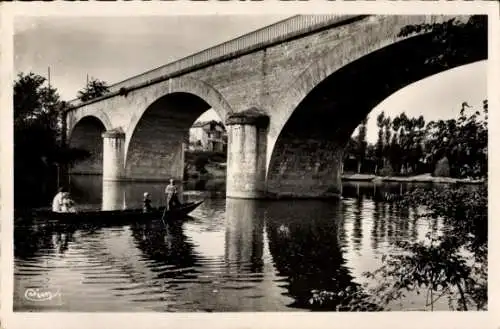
234, 255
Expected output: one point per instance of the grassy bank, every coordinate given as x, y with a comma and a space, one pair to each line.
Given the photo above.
425, 178
204, 165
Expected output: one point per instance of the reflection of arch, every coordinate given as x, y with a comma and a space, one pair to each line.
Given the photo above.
306, 250
191, 86
357, 46
165, 246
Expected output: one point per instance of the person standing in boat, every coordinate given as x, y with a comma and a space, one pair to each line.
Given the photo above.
171, 194
146, 203
57, 202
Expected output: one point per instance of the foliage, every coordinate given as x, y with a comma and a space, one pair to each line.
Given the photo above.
200, 162
442, 168
212, 156
458, 41
361, 144
351, 298
379, 148
452, 265
34, 100
463, 141
37, 138
95, 88
199, 159
408, 146
405, 151
386, 171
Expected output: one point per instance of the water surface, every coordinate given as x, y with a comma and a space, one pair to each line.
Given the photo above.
232, 255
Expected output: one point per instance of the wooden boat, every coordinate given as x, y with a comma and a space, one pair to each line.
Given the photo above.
126, 215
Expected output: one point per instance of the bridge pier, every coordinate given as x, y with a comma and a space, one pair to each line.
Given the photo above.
113, 155
246, 172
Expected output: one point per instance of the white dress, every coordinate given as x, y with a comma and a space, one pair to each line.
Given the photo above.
57, 202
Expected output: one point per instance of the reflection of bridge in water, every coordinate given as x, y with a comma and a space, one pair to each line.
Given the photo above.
233, 255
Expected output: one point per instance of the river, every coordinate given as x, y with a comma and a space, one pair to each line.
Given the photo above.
233, 255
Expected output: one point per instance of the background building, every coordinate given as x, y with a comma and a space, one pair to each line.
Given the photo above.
208, 136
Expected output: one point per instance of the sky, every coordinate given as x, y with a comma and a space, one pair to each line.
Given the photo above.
115, 48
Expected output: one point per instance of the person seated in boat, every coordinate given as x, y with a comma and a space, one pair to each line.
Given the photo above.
68, 205
57, 202
171, 194
146, 203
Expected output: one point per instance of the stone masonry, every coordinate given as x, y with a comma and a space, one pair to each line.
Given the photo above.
307, 70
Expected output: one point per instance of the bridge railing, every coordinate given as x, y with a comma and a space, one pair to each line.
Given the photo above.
277, 32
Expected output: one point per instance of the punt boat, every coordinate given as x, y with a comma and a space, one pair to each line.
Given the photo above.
115, 216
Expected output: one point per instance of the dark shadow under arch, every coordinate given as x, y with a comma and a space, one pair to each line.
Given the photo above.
87, 135
156, 147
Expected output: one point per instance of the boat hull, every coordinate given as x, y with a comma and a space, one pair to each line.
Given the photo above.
115, 216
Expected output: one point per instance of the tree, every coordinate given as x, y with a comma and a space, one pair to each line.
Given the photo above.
441, 265
94, 89
457, 42
34, 100
37, 136
380, 141
200, 162
361, 143
464, 141
36, 109
410, 136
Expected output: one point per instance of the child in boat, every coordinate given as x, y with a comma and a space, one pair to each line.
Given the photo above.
146, 203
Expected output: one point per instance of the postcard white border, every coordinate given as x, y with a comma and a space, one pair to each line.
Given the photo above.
408, 320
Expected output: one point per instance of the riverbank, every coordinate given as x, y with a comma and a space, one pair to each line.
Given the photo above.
213, 171
425, 178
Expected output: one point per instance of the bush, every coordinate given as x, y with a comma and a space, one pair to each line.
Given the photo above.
386, 170
200, 162
442, 168
441, 265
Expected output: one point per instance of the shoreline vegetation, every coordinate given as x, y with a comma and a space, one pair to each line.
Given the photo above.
204, 165
215, 173
424, 178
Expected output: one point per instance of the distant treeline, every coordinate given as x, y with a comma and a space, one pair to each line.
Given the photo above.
406, 146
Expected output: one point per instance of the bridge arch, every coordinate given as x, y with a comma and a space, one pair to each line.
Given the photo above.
323, 106
85, 113
159, 127
86, 133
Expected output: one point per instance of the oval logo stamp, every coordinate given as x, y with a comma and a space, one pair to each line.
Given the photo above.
41, 294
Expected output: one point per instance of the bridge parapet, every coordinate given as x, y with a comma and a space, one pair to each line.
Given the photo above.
281, 31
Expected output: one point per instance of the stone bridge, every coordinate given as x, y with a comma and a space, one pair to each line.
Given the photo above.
290, 94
